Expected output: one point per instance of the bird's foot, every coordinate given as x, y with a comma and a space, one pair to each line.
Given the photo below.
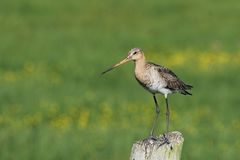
164, 140
149, 139
152, 137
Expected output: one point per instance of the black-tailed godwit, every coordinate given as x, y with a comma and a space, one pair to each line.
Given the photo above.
155, 79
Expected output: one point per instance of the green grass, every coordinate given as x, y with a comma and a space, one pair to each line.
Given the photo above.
55, 105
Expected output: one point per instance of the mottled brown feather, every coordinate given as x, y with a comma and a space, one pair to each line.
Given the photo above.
173, 82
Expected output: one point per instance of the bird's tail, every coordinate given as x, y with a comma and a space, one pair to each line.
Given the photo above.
184, 92
186, 87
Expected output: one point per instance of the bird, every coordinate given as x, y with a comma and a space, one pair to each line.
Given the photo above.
156, 79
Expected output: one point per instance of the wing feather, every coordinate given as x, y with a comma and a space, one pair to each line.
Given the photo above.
172, 80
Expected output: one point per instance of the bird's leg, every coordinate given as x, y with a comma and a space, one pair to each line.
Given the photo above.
156, 118
164, 137
167, 113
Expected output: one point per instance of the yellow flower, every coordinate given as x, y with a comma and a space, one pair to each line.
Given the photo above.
62, 122
10, 76
106, 116
176, 59
203, 60
83, 118
29, 67
31, 120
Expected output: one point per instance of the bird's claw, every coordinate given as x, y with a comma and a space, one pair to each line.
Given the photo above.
152, 137
165, 140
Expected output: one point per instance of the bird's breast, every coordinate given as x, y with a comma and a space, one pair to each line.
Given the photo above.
150, 80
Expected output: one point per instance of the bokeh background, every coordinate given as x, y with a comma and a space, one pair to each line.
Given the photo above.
55, 105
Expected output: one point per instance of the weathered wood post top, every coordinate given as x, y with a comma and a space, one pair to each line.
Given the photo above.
156, 149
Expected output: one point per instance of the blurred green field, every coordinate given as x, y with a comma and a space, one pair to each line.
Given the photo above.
55, 105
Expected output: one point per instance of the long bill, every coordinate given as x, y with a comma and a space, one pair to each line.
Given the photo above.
116, 65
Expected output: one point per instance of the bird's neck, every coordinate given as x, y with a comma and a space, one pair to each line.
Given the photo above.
140, 65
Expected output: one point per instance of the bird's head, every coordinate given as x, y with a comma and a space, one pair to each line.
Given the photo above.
133, 55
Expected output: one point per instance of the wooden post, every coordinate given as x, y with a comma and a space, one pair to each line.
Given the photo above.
150, 149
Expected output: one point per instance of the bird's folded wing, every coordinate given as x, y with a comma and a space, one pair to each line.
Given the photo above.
173, 82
